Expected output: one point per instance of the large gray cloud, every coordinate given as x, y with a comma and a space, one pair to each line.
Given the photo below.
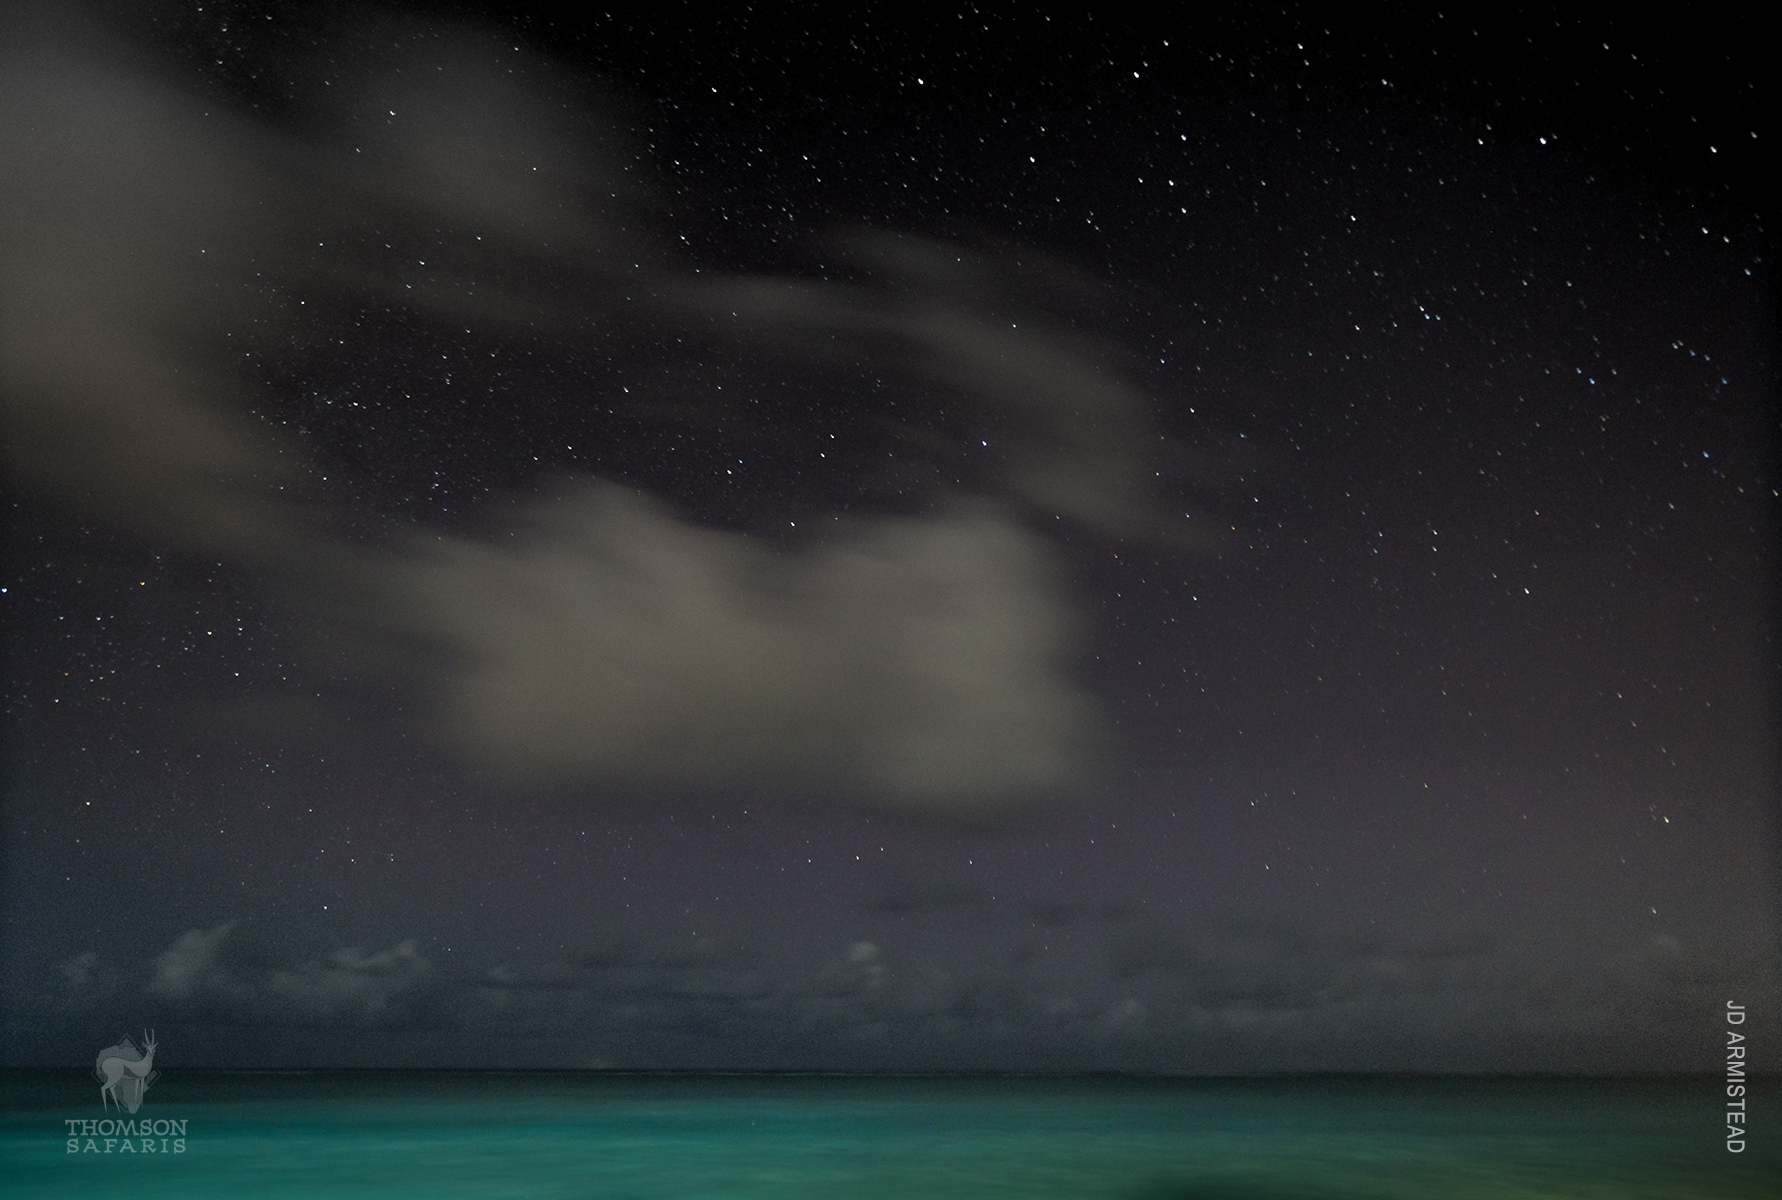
919, 660
155, 244
128, 215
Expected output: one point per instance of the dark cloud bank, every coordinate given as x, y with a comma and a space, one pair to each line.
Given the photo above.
1231, 995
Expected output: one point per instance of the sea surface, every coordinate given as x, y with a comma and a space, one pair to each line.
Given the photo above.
267, 1135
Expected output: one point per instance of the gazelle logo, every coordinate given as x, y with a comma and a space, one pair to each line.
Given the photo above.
124, 1072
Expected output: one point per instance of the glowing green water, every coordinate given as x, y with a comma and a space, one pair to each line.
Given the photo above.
625, 1137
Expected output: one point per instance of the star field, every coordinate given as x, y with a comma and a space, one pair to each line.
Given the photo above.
815, 539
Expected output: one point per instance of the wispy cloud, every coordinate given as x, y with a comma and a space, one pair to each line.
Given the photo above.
157, 246
211, 974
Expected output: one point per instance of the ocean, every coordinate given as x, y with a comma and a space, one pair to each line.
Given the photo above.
267, 1135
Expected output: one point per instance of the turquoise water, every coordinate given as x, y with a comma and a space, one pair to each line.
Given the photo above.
629, 1137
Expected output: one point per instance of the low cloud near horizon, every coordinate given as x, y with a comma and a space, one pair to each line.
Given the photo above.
1165, 997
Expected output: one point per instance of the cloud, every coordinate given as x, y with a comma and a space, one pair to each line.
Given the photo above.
211, 973
159, 251
921, 662
1220, 998
1073, 434
127, 217
862, 970
354, 987
193, 966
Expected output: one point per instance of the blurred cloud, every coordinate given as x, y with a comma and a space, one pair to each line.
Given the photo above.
1074, 434
210, 973
128, 215
158, 243
192, 965
862, 970
917, 660
1216, 999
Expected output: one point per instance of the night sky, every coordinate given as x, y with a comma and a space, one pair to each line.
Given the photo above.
828, 538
